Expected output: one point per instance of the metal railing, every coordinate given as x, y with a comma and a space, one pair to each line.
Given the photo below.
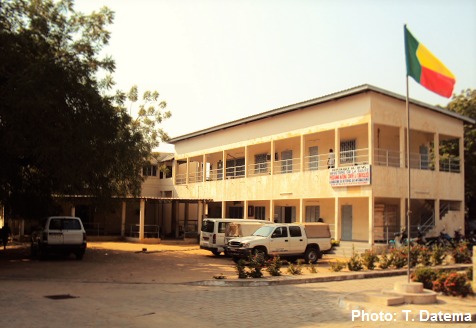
180, 179
287, 166
450, 164
259, 169
317, 162
215, 175
421, 161
235, 172
195, 177
93, 229
387, 157
354, 157
385, 233
150, 231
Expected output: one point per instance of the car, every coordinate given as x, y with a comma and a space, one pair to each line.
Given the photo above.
60, 235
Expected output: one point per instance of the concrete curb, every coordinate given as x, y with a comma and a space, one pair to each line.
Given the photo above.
293, 280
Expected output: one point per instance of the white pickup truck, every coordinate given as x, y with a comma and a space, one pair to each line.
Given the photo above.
289, 241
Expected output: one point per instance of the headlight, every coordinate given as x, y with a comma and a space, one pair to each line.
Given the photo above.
246, 245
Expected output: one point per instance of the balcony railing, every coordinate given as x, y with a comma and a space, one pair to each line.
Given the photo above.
180, 179
195, 177
235, 172
215, 175
316, 162
259, 169
387, 157
450, 164
354, 157
287, 166
422, 161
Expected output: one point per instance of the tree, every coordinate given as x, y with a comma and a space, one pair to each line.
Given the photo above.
465, 104
59, 134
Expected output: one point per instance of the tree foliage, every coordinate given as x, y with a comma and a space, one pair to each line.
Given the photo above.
465, 104
59, 133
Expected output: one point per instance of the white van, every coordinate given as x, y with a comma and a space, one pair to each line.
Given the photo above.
212, 235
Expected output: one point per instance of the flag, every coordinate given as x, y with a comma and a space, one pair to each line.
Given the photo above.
426, 69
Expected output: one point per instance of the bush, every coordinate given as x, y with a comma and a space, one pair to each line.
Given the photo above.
368, 260
385, 261
257, 263
240, 269
424, 257
437, 255
355, 263
439, 283
457, 285
273, 266
337, 266
295, 270
398, 259
461, 253
469, 273
312, 268
425, 276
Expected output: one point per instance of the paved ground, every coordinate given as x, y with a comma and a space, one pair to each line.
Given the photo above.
135, 303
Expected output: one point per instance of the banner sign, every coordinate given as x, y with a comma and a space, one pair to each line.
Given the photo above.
350, 176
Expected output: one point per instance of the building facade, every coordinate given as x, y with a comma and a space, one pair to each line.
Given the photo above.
341, 158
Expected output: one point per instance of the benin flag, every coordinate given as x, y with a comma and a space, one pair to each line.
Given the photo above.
426, 69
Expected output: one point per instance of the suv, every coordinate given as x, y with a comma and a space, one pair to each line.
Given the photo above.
59, 234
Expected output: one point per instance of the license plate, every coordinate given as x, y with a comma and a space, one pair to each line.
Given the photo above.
206, 238
233, 249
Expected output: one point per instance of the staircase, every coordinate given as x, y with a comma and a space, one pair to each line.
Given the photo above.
424, 219
345, 249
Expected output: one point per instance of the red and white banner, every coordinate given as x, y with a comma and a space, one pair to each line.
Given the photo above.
350, 176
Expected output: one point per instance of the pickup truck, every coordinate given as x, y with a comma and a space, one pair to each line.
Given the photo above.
289, 241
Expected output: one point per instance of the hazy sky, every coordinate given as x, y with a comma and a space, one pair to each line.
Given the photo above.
215, 61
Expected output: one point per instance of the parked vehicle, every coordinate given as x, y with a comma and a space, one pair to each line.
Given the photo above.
289, 241
60, 235
400, 239
241, 229
212, 235
444, 239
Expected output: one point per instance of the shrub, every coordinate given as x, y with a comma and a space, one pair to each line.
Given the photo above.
368, 260
398, 259
425, 276
424, 258
295, 270
219, 276
461, 253
437, 255
457, 285
240, 269
439, 283
385, 261
355, 263
312, 268
414, 253
337, 266
469, 273
257, 263
273, 266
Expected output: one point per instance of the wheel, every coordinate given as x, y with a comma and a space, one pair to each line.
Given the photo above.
235, 258
216, 253
261, 250
312, 255
79, 256
226, 253
34, 251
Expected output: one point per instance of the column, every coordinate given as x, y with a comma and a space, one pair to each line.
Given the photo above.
272, 158
185, 218
73, 210
371, 219
436, 151
223, 210
22, 227
302, 210
174, 172
187, 170
141, 219
403, 213
371, 142
123, 219
303, 147
271, 210
245, 209
337, 147
204, 168
402, 146
337, 232
246, 161
437, 210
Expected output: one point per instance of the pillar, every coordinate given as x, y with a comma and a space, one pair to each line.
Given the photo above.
437, 210
246, 161
402, 146
403, 212
337, 147
185, 218
272, 160
187, 170
22, 227
141, 219
436, 151
301, 207
123, 219
245, 209
371, 219
371, 142
271, 210
223, 210
337, 232
204, 168
73, 211
303, 147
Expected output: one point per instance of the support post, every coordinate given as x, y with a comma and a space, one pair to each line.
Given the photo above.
245, 209
371, 219
223, 209
436, 151
141, 219
123, 220
402, 146
301, 210
337, 147
337, 232
73, 211
271, 210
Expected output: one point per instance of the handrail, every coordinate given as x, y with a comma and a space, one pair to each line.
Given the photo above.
195, 177
235, 172
259, 169
180, 179
215, 175
317, 162
450, 164
387, 157
287, 166
352, 157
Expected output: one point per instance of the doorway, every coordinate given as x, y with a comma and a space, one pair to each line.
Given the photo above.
347, 222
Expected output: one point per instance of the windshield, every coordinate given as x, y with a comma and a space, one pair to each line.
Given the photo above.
264, 231
207, 226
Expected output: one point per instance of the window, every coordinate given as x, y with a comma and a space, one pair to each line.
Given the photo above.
236, 212
347, 151
295, 231
71, 224
287, 161
280, 232
168, 174
261, 164
313, 213
149, 171
313, 158
260, 212
235, 168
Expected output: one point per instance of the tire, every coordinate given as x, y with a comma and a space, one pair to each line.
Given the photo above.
235, 258
261, 250
79, 256
34, 251
216, 253
312, 255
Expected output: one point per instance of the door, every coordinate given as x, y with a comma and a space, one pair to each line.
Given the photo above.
55, 232
72, 232
296, 239
279, 241
313, 158
289, 214
220, 172
346, 222
287, 161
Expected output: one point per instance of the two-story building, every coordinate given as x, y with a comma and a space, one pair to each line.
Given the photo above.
340, 157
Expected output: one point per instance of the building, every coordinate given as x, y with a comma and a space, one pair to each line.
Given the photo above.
340, 157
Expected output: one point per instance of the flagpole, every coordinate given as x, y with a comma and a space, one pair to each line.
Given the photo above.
409, 166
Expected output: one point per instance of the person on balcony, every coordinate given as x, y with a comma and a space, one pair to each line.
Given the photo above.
331, 160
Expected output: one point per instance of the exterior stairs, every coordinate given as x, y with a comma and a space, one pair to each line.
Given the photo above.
345, 249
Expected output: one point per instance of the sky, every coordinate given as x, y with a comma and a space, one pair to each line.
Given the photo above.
215, 61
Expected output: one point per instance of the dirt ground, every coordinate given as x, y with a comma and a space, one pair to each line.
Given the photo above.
125, 262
